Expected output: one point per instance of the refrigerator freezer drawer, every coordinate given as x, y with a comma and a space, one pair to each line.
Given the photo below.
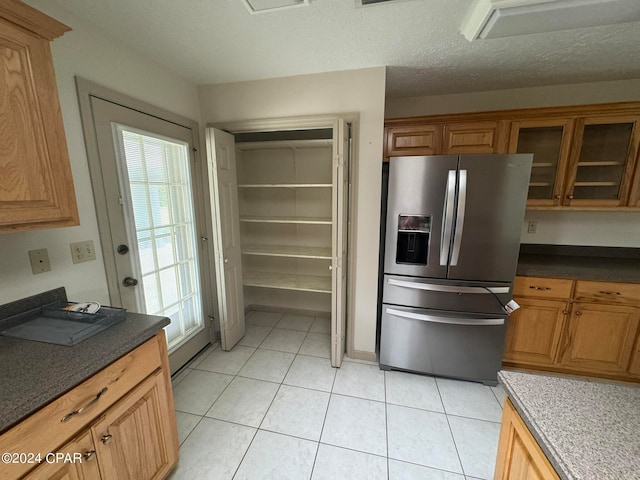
447, 344
445, 294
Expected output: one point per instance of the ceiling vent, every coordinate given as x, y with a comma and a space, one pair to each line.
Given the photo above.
262, 6
507, 18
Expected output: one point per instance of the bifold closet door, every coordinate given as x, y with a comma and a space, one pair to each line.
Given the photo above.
340, 227
223, 189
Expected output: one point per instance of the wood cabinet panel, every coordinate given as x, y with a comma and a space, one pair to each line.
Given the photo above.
608, 292
634, 365
36, 185
471, 138
414, 140
600, 338
542, 287
79, 463
519, 455
135, 439
533, 331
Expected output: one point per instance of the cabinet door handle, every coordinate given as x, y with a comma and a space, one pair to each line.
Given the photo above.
570, 197
95, 399
534, 287
106, 438
609, 293
88, 455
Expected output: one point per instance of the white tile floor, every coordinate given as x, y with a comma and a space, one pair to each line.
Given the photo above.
274, 408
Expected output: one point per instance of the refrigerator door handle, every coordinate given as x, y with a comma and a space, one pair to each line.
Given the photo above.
445, 288
447, 218
462, 200
447, 320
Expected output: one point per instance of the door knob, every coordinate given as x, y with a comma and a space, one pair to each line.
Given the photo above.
122, 249
129, 282
226, 260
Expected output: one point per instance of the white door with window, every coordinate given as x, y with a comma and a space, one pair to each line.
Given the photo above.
151, 191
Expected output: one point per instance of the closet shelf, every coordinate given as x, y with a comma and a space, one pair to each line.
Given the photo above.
287, 251
283, 281
285, 185
301, 220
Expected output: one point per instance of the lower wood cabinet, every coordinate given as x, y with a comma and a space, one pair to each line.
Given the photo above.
577, 327
127, 431
133, 438
600, 338
77, 462
519, 455
545, 318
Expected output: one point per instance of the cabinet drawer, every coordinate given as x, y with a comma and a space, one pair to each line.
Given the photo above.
539, 287
608, 292
51, 426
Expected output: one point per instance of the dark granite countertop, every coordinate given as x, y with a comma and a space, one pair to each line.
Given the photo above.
587, 429
582, 263
35, 373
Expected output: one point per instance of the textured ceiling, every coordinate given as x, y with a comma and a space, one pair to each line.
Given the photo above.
215, 41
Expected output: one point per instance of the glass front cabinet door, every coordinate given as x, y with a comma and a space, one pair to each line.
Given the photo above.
549, 141
602, 161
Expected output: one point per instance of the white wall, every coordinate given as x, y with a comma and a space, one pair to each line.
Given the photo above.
615, 229
355, 91
92, 55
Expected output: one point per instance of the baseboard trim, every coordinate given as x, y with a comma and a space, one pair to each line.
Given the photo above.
364, 355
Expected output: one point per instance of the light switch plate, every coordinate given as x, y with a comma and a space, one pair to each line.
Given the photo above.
39, 261
82, 251
532, 226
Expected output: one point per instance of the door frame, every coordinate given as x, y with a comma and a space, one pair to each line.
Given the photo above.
87, 89
321, 121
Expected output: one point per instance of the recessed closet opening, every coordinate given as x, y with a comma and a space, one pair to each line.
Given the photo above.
292, 194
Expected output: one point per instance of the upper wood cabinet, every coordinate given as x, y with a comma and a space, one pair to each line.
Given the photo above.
442, 139
549, 141
413, 140
584, 157
603, 157
481, 137
36, 185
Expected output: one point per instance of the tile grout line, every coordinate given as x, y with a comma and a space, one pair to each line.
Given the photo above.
446, 416
324, 420
386, 421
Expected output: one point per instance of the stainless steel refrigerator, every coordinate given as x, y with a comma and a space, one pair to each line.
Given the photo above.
451, 249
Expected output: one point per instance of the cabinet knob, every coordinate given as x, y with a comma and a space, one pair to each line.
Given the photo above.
564, 312
88, 455
570, 197
557, 197
106, 438
578, 312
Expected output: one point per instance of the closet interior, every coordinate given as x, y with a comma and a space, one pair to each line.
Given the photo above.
286, 201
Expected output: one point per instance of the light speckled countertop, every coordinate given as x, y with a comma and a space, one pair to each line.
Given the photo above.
35, 373
589, 430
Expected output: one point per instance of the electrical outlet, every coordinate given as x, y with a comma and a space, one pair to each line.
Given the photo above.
82, 251
39, 261
532, 226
